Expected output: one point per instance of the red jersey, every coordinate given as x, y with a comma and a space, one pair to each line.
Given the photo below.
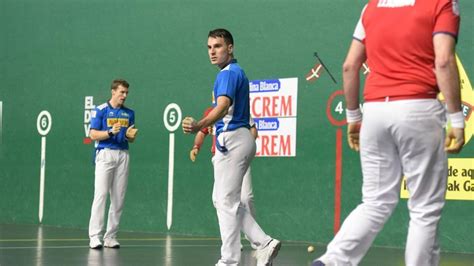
398, 37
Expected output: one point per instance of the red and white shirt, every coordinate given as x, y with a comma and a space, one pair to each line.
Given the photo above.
398, 37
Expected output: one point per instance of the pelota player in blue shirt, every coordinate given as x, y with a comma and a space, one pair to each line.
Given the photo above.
112, 127
235, 151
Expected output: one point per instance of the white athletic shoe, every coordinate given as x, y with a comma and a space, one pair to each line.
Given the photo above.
95, 243
266, 255
255, 247
111, 243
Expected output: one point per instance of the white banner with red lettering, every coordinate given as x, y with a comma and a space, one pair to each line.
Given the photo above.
273, 105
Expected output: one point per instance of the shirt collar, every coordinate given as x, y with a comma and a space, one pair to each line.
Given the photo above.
232, 61
111, 107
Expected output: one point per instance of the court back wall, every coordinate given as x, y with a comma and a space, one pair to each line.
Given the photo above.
54, 54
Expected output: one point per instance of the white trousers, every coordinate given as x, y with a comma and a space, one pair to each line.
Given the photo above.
246, 195
111, 177
229, 170
396, 138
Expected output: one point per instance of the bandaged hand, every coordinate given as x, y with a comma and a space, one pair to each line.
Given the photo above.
131, 132
454, 140
353, 131
116, 128
189, 125
193, 154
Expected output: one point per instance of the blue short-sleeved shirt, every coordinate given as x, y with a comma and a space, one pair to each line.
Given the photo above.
233, 83
104, 117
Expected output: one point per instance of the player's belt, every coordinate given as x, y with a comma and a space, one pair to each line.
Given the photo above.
402, 97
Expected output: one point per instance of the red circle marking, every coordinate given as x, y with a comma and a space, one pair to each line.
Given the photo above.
334, 121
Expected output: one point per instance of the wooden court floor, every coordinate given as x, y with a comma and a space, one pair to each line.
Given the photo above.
35, 245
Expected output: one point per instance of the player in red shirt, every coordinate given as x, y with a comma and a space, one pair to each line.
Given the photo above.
409, 46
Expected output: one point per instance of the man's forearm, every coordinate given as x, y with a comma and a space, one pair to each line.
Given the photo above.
97, 135
448, 82
217, 113
351, 88
199, 139
350, 74
446, 71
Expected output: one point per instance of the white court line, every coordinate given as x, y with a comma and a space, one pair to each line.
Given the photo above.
128, 246
125, 239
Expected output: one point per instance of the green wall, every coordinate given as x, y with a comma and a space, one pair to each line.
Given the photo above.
55, 53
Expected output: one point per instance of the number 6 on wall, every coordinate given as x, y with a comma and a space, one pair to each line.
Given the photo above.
43, 124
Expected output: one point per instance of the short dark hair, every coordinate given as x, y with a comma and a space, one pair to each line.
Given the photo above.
118, 82
223, 33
